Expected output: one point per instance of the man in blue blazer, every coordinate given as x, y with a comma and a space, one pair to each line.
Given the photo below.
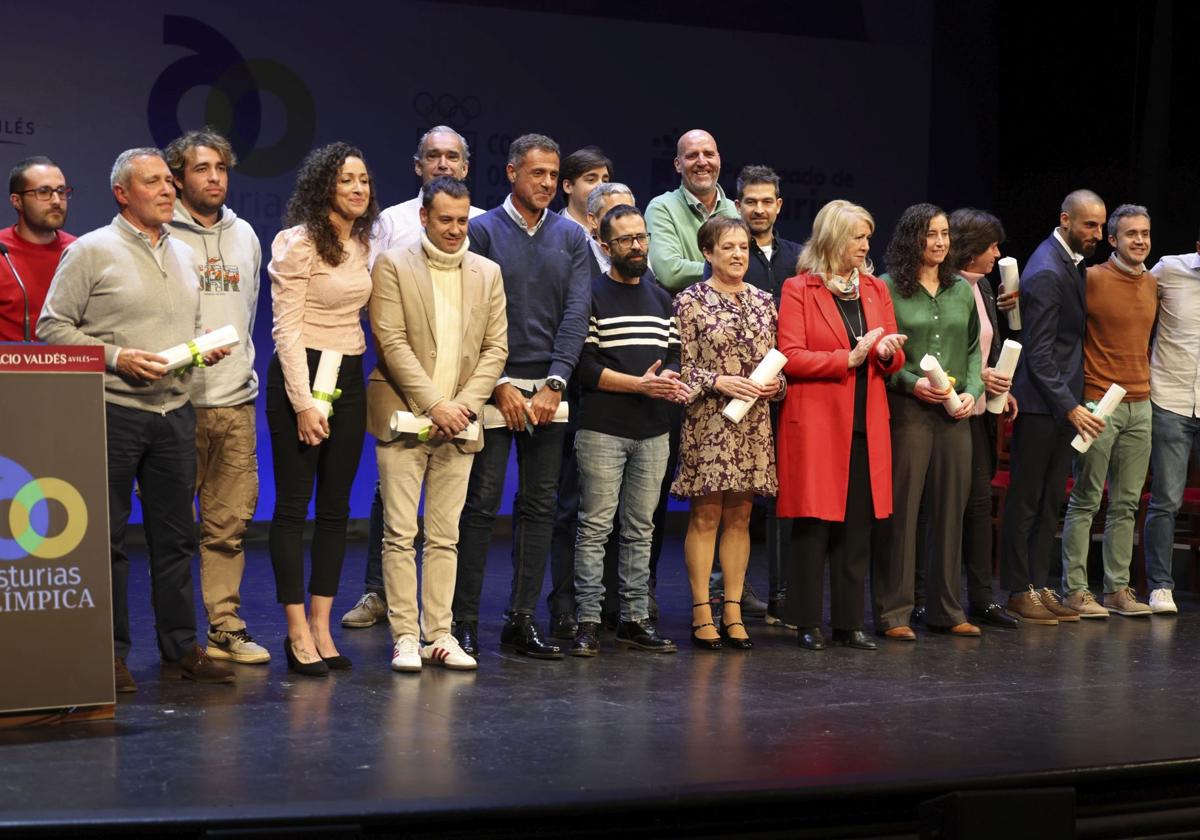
1049, 387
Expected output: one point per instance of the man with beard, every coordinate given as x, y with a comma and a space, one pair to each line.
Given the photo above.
1049, 387
544, 261
628, 373
227, 260
39, 193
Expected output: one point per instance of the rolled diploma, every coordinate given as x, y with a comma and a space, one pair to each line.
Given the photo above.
937, 377
1006, 364
1010, 281
180, 356
325, 381
1107, 405
405, 422
767, 370
494, 419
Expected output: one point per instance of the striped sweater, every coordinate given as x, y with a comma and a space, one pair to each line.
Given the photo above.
630, 328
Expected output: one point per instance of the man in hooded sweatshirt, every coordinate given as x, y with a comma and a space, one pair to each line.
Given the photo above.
228, 257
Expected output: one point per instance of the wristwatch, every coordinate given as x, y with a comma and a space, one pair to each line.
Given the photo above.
555, 384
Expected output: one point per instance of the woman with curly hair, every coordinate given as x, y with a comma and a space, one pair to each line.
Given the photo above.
319, 285
931, 447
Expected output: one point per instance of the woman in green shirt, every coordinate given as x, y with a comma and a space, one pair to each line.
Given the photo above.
931, 445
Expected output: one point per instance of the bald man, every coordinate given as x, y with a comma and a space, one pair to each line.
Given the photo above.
675, 217
1049, 387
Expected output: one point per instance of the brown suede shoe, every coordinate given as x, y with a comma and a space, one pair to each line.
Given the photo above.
197, 665
964, 629
1050, 601
122, 677
900, 634
1028, 608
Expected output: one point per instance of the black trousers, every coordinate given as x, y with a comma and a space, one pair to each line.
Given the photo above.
1041, 462
848, 545
159, 450
331, 465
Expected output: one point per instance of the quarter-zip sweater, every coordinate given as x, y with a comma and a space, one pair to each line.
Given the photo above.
113, 288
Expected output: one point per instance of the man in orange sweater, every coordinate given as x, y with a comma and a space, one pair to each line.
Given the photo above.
1122, 299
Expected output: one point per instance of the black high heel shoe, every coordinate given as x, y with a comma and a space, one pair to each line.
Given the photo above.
704, 644
733, 641
305, 669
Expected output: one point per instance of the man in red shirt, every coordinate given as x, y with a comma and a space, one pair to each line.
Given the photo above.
39, 193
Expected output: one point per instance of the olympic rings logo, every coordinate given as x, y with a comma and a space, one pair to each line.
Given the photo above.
29, 514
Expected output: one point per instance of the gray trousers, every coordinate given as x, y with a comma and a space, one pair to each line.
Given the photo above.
931, 457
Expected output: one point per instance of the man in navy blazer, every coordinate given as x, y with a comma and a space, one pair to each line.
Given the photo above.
1049, 387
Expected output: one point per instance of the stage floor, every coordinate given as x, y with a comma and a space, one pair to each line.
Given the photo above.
780, 724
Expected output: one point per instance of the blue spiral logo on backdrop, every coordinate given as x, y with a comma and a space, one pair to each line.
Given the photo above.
29, 515
235, 100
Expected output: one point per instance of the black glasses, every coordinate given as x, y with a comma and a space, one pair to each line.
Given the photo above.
626, 241
44, 193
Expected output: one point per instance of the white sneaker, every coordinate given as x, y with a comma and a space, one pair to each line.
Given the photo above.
369, 610
235, 646
1163, 602
449, 654
405, 654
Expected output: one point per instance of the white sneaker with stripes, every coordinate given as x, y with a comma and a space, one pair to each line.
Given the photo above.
449, 654
405, 654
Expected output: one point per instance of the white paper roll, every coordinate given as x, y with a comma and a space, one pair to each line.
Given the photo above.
494, 419
766, 371
1010, 281
1107, 405
407, 423
937, 377
1010, 352
325, 381
180, 356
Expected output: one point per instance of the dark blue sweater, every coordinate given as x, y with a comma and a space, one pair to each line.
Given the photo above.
548, 285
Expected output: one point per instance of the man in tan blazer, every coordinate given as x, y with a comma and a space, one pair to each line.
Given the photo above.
438, 317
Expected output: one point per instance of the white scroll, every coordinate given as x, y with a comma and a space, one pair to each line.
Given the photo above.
1010, 352
405, 422
766, 371
324, 389
932, 369
1010, 281
493, 418
1107, 405
185, 355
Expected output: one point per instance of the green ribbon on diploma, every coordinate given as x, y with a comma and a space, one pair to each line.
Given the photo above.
326, 397
197, 359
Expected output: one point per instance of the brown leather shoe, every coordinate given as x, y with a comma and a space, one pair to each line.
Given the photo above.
900, 634
196, 665
122, 677
1028, 608
1050, 601
964, 629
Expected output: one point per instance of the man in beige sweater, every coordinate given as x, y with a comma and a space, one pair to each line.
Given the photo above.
438, 317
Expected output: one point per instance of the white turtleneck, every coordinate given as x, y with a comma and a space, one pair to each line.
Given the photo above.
445, 270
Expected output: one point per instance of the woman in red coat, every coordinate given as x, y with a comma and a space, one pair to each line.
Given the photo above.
838, 331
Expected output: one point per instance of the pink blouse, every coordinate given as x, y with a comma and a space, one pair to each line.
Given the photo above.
985, 335
315, 306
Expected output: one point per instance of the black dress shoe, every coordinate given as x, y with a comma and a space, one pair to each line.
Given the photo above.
337, 663
563, 627
733, 641
996, 616
520, 635
857, 639
304, 669
810, 638
917, 616
587, 639
467, 633
705, 644
642, 635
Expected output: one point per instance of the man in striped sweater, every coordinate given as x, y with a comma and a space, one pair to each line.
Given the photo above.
628, 373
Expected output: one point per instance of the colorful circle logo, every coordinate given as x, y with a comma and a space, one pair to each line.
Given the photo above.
29, 514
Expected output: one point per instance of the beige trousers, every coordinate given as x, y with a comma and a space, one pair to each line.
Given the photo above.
444, 472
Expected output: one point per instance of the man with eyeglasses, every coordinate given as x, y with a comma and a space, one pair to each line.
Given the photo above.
629, 374
39, 193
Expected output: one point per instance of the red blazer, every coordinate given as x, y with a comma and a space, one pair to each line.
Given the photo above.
816, 423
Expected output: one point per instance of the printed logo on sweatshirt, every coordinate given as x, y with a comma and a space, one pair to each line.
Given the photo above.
217, 276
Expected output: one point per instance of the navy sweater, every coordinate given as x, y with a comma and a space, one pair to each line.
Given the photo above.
546, 281
631, 328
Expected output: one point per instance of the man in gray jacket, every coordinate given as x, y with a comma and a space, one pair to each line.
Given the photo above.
227, 260
128, 286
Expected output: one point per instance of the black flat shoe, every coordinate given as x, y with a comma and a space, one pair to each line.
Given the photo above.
704, 644
733, 641
304, 669
520, 635
996, 616
857, 639
917, 616
810, 638
337, 663
467, 633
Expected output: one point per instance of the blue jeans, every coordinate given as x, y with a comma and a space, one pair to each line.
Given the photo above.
615, 470
539, 456
1173, 436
